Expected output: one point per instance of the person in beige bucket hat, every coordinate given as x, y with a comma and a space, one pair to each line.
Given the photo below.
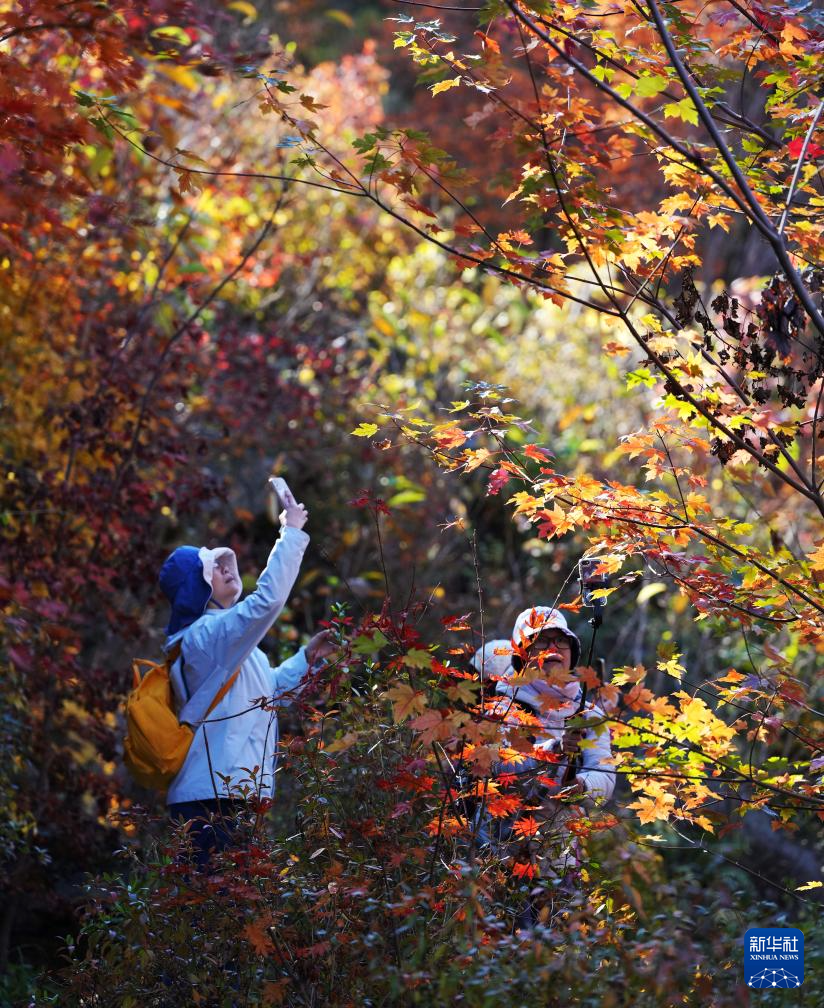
535, 671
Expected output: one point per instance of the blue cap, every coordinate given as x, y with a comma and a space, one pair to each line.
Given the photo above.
183, 584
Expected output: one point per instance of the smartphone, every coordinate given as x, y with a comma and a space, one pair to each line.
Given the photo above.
590, 581
280, 492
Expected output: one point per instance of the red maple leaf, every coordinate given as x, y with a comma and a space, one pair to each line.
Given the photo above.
497, 480
813, 149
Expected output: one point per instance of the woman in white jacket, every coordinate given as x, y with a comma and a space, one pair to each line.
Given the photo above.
234, 750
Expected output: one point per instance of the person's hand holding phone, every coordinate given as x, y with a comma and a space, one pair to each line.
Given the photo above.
293, 514
571, 741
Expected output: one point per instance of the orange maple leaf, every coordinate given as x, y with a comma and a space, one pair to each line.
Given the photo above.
258, 937
534, 452
528, 826
501, 806
521, 870
817, 558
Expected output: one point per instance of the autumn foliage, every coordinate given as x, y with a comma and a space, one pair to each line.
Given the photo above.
559, 298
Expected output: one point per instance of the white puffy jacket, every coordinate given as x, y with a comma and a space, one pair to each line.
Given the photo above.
596, 770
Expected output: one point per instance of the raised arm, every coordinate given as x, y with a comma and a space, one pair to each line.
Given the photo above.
228, 638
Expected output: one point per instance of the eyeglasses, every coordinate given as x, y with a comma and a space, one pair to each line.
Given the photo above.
559, 642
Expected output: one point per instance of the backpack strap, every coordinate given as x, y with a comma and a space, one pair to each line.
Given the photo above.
221, 693
175, 652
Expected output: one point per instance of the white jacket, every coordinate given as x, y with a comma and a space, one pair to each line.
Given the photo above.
596, 769
235, 738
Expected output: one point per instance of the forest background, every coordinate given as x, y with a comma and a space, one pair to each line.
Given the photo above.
493, 286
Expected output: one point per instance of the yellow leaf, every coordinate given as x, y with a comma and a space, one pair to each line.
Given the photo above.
475, 457
649, 810
244, 7
462, 692
450, 437
405, 701
445, 85
342, 744
817, 558
815, 884
672, 667
180, 75
365, 430
345, 19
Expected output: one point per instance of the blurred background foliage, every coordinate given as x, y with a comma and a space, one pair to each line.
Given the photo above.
170, 339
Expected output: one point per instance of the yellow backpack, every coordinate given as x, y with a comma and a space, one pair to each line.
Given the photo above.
156, 743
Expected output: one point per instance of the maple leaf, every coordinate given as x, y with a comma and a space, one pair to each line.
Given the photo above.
497, 480
481, 757
474, 458
309, 102
463, 692
588, 676
539, 454
430, 725
255, 932
425, 210
501, 806
794, 148
528, 826
343, 743
418, 658
672, 667
650, 809
274, 991
405, 701
457, 623
365, 430
451, 437
445, 85
369, 645
816, 559
554, 522
525, 870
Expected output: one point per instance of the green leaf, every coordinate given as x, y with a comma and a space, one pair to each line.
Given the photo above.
369, 645
650, 85
683, 109
640, 377
417, 658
